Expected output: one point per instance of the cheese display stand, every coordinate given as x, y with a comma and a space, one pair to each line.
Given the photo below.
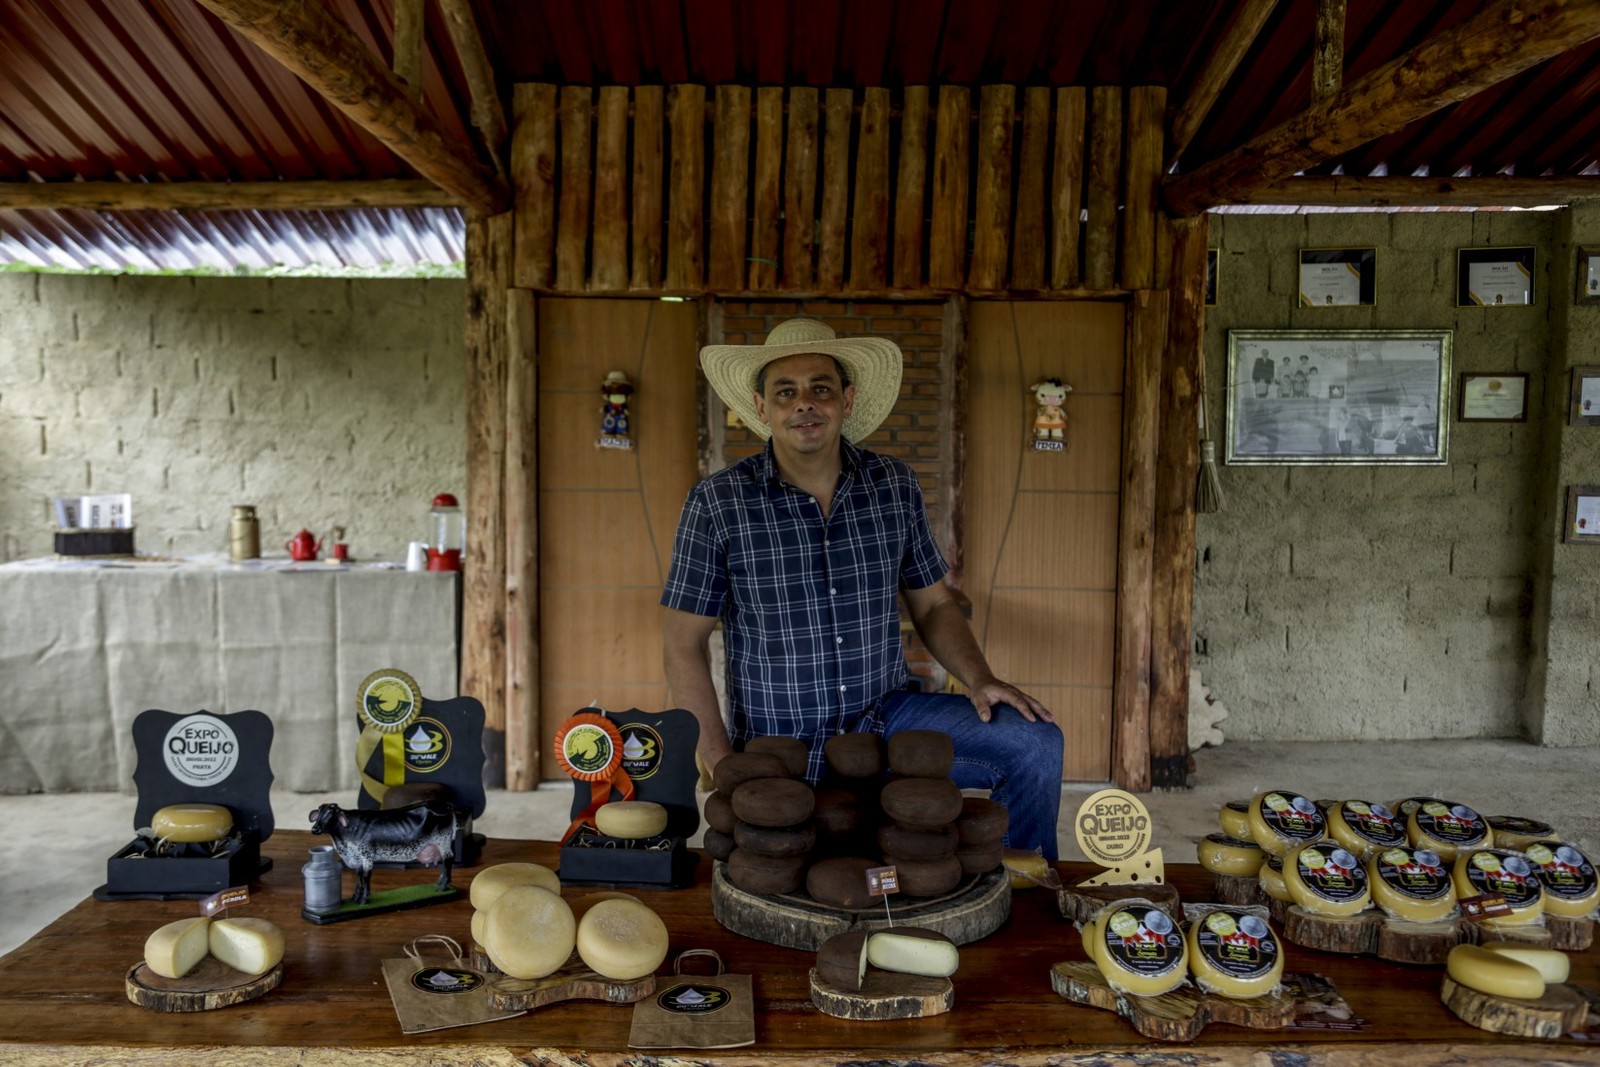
209, 986
1176, 1016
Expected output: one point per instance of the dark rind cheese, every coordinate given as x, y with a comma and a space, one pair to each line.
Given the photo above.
774, 841
922, 803
773, 802
854, 755
735, 769
841, 882
982, 821
903, 842
928, 878
921, 754
791, 750
755, 873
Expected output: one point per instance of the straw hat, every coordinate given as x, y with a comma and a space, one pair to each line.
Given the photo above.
872, 363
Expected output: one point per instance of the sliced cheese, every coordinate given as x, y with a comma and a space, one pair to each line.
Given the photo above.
1139, 950
1281, 820
1027, 869
1412, 884
1493, 973
630, 819
529, 932
1363, 825
185, 823
1447, 828
251, 945
1221, 854
1510, 874
622, 939
1326, 881
1235, 819
1568, 878
909, 950
1272, 883
1515, 832
489, 883
842, 959
1235, 955
173, 950
1553, 966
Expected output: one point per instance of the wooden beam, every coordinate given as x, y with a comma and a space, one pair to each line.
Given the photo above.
1147, 105
649, 165
1502, 39
910, 192
1066, 188
409, 16
1327, 53
577, 190
608, 272
533, 178
997, 109
800, 190
522, 540
686, 127
310, 41
838, 107
947, 237
220, 196
488, 113
1028, 228
869, 221
1357, 191
1105, 182
1241, 33
766, 232
730, 184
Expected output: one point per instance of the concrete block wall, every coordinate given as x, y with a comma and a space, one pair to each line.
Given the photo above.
1378, 602
320, 401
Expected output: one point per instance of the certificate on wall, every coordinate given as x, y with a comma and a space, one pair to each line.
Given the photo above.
1588, 275
1583, 515
1585, 404
1494, 277
1493, 398
1337, 277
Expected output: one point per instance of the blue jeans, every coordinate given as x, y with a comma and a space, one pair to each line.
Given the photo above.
1018, 761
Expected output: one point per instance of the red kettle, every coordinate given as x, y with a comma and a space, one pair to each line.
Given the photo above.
303, 546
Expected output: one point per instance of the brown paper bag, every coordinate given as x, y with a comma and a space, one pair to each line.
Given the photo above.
690, 1011
439, 991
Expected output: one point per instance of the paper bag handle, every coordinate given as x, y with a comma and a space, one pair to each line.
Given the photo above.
677, 964
414, 949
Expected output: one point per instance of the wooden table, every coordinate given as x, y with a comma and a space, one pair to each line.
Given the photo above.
62, 998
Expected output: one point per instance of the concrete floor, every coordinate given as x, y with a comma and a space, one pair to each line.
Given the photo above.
1497, 777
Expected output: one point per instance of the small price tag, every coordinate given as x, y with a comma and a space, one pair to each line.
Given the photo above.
223, 899
1485, 906
881, 881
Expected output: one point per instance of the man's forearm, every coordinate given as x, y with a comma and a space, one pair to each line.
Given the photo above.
949, 638
688, 673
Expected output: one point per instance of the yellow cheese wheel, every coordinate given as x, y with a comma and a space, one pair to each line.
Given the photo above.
1235, 819
1412, 884
176, 948
622, 939
529, 932
1325, 879
478, 920
630, 819
1515, 832
1271, 878
581, 906
1553, 966
1281, 820
489, 883
1090, 933
185, 823
1027, 869
1447, 828
1567, 876
251, 945
1221, 854
1234, 955
1139, 949
1490, 972
1363, 825
1511, 874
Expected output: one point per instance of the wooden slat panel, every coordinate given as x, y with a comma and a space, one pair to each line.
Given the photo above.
838, 105
523, 550
1105, 172
1085, 719
610, 272
686, 123
572, 224
648, 168
1040, 636
764, 235
800, 190
1066, 189
910, 188
869, 238
947, 252
997, 105
533, 172
730, 185
1046, 518
1028, 228
1147, 106
1094, 438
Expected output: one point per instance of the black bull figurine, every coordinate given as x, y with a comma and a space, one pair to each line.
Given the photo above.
421, 833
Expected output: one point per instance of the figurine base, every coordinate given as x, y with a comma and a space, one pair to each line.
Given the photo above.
384, 901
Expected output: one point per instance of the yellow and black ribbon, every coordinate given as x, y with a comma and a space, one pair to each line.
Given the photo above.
388, 701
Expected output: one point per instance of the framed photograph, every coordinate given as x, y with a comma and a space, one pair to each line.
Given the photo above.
1338, 397
1494, 277
1585, 404
1589, 275
1213, 261
1583, 515
1492, 397
1338, 277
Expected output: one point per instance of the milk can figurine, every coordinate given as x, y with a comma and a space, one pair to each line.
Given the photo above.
1049, 416
614, 416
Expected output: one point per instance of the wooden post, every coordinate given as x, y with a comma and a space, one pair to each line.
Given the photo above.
765, 233
730, 184
947, 244
1066, 189
800, 189
910, 183
610, 271
533, 176
1105, 174
686, 124
869, 227
408, 20
838, 105
648, 169
1327, 57
523, 747
1141, 397
1177, 466
483, 619
997, 106
572, 213
1028, 228
488, 114
1146, 118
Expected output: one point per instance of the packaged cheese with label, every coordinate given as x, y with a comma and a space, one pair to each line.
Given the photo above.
1412, 884
1516, 833
1235, 954
1271, 878
1139, 949
1447, 828
1363, 825
1568, 878
1510, 874
1281, 820
1235, 818
1221, 854
1326, 881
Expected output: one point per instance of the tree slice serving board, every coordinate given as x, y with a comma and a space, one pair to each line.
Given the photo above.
1374, 933
1239, 891
1569, 934
212, 984
1560, 1009
884, 995
1079, 902
573, 981
1176, 1016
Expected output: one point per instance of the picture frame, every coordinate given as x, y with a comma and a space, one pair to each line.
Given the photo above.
1338, 397
1492, 397
1588, 282
1584, 405
1495, 277
1582, 525
1338, 277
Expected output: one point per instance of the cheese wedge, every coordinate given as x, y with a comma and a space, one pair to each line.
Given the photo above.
186, 823
909, 950
176, 948
1412, 884
251, 945
1511, 874
1493, 973
1281, 820
1221, 854
1139, 950
1568, 878
1553, 966
1028, 870
1235, 955
1326, 881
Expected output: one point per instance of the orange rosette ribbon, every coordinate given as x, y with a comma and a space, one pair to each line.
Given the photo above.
589, 749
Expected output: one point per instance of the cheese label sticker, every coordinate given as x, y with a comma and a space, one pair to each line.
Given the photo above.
1455, 824
1562, 870
1417, 873
1332, 874
201, 750
1372, 822
1143, 940
1292, 816
1242, 947
1508, 874
446, 981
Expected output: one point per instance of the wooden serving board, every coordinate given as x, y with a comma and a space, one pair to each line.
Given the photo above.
1568, 934
212, 984
1079, 902
884, 995
1176, 1016
1561, 1009
1232, 889
573, 981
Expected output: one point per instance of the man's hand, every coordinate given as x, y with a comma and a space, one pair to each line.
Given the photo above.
993, 691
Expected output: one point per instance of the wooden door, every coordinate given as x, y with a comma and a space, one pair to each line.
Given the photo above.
607, 517
1040, 544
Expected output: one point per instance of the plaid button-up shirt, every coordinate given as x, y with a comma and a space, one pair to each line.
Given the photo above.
810, 623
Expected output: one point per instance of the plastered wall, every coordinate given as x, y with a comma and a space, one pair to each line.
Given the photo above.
320, 401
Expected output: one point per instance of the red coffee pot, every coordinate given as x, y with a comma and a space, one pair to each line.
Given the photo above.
303, 546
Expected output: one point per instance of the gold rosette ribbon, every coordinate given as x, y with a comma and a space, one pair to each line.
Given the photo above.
589, 749
387, 702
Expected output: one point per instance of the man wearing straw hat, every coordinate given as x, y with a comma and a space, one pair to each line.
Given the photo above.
800, 552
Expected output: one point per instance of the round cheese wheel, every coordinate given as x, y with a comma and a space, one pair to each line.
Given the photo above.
842, 960
755, 873
737, 768
1271, 877
1029, 870
719, 812
982, 821
1489, 972
529, 932
188, 823
979, 859
630, 819
842, 882
1363, 825
479, 918
1568, 878
1235, 955
1447, 828
1554, 967
922, 803
175, 949
1511, 874
1235, 819
489, 883
581, 906
1326, 881
1411, 884
904, 843
854, 755
1221, 854
622, 939
921, 754
928, 878
773, 802
718, 845
1139, 950
1517, 833
791, 751
1281, 820
1090, 933
773, 841
838, 811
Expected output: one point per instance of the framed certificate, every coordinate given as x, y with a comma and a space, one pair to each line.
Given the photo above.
1338, 277
1589, 275
1213, 261
1494, 277
1493, 398
1583, 515
1585, 406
